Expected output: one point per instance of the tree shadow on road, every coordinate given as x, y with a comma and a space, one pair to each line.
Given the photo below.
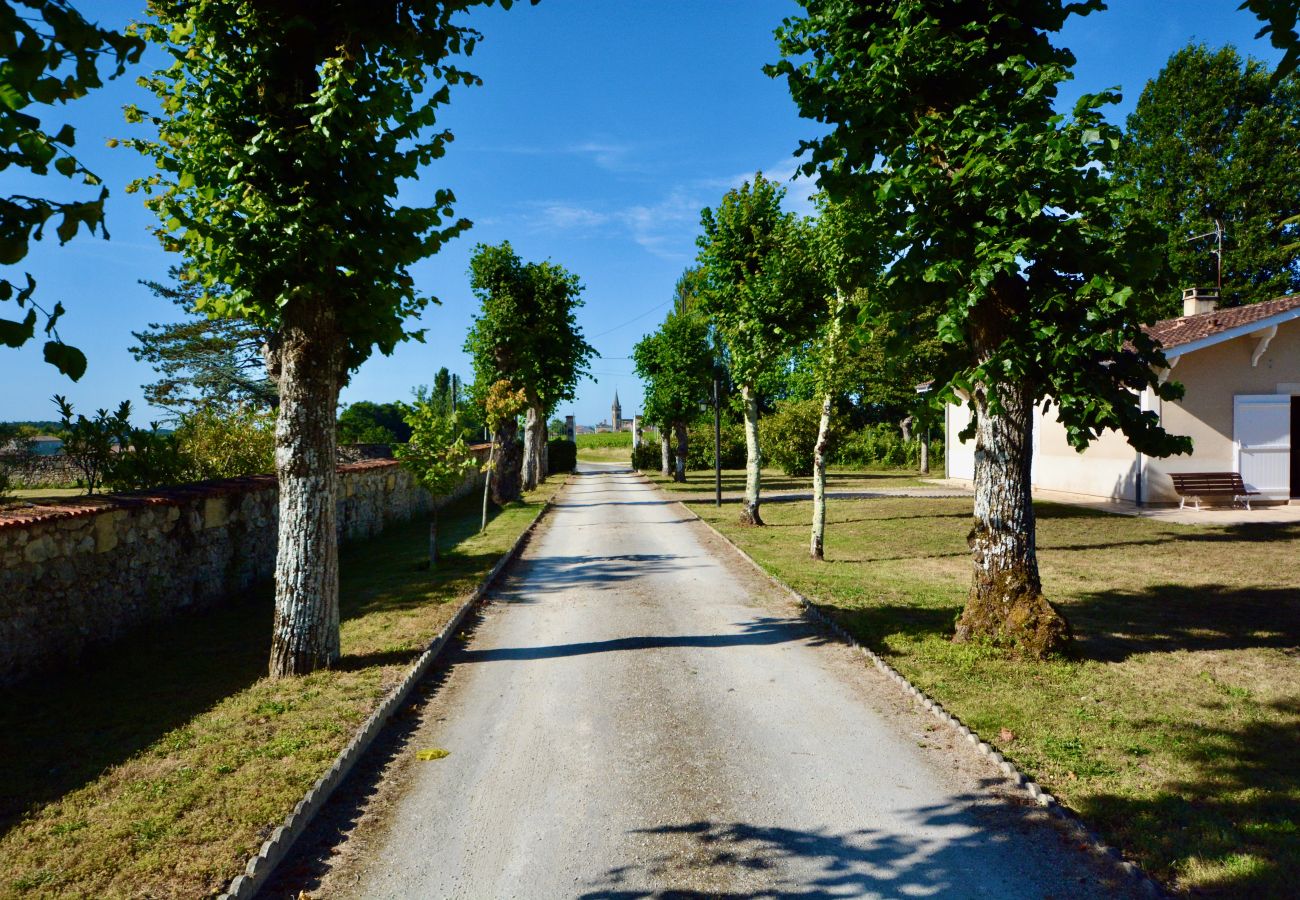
759, 632
704, 859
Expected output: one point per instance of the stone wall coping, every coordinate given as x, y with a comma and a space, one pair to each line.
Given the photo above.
176, 495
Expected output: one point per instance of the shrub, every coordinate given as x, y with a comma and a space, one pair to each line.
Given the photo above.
217, 444
699, 446
881, 447
364, 422
561, 456
789, 435
647, 457
145, 459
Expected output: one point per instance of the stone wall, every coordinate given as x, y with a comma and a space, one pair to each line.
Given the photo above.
86, 572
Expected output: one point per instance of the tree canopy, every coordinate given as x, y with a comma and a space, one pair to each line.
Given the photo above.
51, 55
283, 134
1214, 138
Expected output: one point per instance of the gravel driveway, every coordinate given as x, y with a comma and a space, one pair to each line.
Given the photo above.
638, 715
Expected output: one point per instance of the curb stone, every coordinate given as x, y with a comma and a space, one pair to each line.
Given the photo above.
262, 863
1068, 819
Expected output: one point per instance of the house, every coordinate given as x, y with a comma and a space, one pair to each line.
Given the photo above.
1241, 369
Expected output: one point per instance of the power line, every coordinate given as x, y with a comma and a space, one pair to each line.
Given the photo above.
632, 320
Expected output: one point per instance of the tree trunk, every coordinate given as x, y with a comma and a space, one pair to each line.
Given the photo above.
925, 452
749, 514
905, 426
308, 362
679, 467
487, 483
534, 440
665, 451
505, 486
433, 538
816, 546
544, 467
1006, 605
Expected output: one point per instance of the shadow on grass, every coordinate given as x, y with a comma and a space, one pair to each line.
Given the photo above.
1241, 812
1116, 624
58, 732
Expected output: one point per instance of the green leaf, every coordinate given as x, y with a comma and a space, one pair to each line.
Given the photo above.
15, 334
67, 359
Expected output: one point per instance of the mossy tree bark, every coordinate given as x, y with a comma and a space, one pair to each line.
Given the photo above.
506, 477
1006, 605
307, 361
679, 461
749, 512
534, 464
816, 547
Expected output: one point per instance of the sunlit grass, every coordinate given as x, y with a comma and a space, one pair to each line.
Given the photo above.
157, 768
1176, 728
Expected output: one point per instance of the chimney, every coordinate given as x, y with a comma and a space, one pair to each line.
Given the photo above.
1199, 300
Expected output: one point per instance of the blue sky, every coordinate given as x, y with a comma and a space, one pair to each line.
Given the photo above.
601, 130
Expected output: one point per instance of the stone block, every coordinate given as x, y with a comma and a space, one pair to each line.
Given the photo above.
214, 512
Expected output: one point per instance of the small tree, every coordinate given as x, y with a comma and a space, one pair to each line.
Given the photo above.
761, 294
676, 363
91, 444
437, 456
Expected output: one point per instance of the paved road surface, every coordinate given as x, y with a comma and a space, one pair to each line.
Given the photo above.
638, 716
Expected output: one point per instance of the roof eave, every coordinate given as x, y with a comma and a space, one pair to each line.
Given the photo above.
1232, 333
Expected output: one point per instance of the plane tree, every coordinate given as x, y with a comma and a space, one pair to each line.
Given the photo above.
996, 210
283, 133
762, 293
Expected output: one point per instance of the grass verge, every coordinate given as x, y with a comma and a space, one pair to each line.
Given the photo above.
700, 483
158, 767
1176, 729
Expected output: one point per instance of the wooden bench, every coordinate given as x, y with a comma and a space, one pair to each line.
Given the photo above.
1204, 485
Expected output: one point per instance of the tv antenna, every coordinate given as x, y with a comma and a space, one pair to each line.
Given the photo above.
1217, 234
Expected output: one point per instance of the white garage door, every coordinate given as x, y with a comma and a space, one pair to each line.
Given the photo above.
1262, 430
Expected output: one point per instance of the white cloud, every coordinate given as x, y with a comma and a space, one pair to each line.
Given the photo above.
665, 227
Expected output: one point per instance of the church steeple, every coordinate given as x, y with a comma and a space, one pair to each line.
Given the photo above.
616, 414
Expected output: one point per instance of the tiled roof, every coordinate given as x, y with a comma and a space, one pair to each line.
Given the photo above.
1176, 332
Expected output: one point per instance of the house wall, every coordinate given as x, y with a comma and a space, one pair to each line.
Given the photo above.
1212, 376
86, 572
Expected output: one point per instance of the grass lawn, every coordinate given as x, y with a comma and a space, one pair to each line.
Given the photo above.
158, 767
775, 481
609, 446
1176, 729
30, 494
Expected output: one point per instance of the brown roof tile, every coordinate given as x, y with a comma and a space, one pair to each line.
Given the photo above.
1186, 329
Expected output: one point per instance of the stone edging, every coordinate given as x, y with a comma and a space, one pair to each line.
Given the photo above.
1067, 818
262, 863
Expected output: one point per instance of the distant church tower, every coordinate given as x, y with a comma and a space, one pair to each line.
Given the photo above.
616, 414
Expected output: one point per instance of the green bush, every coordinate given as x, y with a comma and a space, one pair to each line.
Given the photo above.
561, 456
146, 459
218, 444
882, 447
789, 436
364, 422
699, 446
647, 457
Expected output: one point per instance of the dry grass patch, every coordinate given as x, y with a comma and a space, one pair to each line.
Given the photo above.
158, 767
1175, 730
